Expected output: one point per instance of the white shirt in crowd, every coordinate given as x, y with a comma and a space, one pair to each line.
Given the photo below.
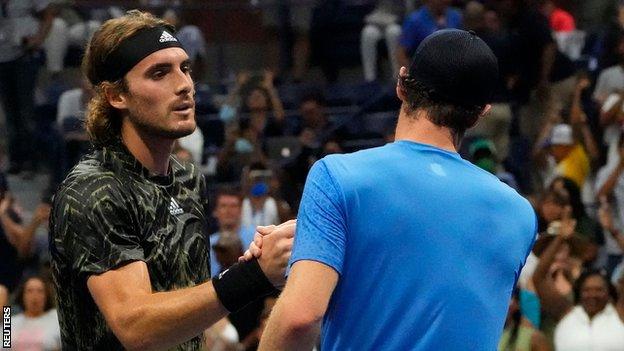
611, 246
70, 105
40, 333
576, 332
610, 81
266, 216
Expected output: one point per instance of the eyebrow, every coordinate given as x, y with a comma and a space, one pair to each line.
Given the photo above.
166, 65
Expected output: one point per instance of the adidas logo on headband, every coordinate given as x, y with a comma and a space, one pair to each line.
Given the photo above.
165, 36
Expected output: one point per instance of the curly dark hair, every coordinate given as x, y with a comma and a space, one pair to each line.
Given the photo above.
442, 112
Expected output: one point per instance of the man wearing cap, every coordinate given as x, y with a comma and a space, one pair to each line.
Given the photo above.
128, 242
564, 156
408, 246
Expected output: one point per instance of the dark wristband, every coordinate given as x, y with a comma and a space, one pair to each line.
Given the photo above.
242, 284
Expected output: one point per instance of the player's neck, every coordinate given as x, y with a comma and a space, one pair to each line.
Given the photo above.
421, 130
153, 153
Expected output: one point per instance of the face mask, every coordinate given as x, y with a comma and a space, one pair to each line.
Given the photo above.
487, 164
243, 146
259, 189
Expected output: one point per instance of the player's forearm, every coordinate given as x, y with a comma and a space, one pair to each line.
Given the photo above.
289, 332
163, 320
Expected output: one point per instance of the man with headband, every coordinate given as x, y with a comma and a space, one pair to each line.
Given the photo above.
408, 246
129, 252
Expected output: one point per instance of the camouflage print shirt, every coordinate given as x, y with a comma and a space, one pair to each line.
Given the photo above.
108, 212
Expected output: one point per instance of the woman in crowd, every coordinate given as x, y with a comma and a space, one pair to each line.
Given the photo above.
37, 327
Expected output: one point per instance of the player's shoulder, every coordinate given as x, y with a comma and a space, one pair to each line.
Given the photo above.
89, 181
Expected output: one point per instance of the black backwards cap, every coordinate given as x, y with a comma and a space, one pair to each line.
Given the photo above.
456, 66
134, 49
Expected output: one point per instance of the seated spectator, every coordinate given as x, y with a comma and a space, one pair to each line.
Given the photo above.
433, 15
382, 22
519, 334
256, 98
558, 154
592, 306
227, 211
37, 327
259, 207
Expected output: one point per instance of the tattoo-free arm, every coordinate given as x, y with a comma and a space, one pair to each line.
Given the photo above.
295, 321
144, 320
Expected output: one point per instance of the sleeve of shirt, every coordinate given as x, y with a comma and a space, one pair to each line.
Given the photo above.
95, 228
321, 222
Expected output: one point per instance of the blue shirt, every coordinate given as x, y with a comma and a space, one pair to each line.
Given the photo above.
245, 233
421, 23
428, 248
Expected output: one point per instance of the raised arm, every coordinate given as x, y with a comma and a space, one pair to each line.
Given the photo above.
553, 302
21, 237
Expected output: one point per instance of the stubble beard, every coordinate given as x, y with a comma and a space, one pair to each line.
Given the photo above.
146, 127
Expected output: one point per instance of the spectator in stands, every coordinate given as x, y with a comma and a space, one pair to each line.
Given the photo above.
296, 15
591, 321
560, 19
242, 148
586, 227
544, 80
255, 97
227, 211
611, 79
37, 328
610, 191
70, 122
16, 239
615, 238
21, 39
557, 153
550, 207
607, 54
192, 38
519, 334
496, 125
382, 22
259, 207
433, 15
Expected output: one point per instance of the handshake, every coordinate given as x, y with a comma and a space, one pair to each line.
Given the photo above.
272, 246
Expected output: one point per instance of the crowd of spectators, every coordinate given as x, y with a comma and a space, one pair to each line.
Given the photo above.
554, 133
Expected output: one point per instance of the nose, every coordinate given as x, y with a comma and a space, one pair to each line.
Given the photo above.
184, 83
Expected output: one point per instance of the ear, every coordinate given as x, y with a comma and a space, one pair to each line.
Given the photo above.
400, 91
115, 97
